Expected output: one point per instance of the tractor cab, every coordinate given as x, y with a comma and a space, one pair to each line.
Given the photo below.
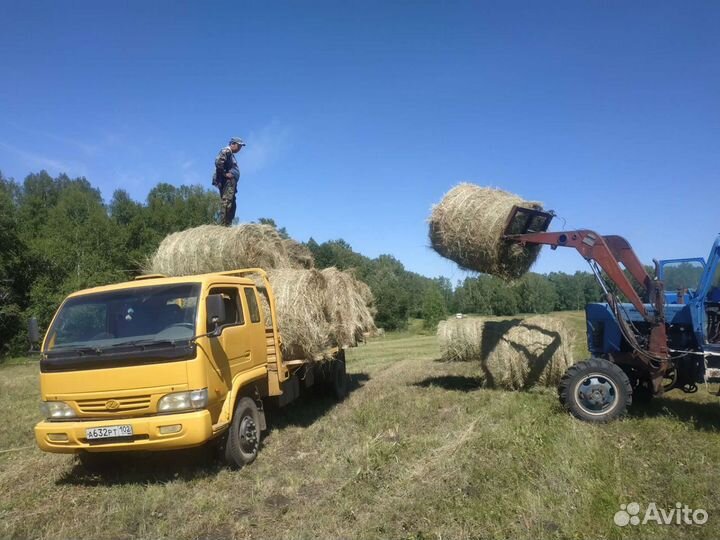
681, 278
706, 305
695, 283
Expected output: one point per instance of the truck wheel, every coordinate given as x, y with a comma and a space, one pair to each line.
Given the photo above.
338, 378
243, 438
595, 390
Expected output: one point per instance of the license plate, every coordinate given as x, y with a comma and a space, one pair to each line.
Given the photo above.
108, 432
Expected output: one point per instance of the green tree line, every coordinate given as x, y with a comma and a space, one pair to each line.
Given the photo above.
58, 235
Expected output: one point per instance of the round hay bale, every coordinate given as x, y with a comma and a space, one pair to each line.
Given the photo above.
520, 354
212, 248
300, 303
467, 227
460, 339
346, 305
299, 254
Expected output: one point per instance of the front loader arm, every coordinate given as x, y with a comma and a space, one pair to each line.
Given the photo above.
594, 247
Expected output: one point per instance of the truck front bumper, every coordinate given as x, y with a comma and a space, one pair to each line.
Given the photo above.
182, 430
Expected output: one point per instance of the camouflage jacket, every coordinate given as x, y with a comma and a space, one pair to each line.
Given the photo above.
224, 163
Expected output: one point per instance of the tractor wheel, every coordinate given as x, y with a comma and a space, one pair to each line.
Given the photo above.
243, 437
595, 390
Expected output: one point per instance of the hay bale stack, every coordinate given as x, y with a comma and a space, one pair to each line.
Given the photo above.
460, 339
467, 227
299, 254
212, 248
514, 354
348, 304
300, 302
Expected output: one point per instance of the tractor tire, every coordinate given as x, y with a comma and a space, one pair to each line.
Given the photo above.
595, 390
243, 437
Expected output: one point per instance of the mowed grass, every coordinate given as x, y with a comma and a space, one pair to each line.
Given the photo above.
418, 450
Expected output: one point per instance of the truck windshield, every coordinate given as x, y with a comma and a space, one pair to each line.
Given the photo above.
127, 317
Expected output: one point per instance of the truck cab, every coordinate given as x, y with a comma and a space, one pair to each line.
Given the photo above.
164, 363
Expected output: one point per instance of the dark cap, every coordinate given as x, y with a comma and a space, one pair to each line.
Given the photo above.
237, 140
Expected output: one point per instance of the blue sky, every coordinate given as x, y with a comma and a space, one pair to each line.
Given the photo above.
360, 115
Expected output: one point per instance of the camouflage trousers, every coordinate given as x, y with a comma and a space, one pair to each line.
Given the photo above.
228, 189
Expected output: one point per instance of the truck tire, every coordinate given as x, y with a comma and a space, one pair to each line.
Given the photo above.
595, 390
243, 437
338, 382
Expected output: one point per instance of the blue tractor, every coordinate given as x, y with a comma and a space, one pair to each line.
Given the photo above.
665, 335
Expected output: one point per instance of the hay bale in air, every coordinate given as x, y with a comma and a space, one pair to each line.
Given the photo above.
467, 227
212, 248
513, 354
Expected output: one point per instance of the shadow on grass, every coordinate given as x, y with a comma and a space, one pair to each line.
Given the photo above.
703, 416
452, 382
311, 406
147, 468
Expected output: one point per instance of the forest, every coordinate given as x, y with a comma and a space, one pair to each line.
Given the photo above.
58, 235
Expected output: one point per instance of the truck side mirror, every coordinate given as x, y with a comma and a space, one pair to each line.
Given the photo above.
215, 309
33, 333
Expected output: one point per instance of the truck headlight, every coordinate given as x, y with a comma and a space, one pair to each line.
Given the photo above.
56, 409
183, 401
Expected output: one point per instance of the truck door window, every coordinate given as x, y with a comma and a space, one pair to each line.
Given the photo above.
252, 305
233, 307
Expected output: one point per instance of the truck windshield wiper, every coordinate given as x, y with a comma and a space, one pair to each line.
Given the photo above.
76, 350
145, 342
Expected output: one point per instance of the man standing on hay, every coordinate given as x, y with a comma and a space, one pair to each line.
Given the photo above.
226, 179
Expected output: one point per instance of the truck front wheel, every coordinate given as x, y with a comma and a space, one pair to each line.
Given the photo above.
595, 390
243, 438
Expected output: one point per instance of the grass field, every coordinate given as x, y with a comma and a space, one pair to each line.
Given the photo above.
418, 450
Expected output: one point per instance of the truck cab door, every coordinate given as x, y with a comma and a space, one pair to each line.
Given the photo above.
231, 350
257, 340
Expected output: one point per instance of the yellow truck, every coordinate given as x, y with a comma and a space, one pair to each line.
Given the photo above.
164, 363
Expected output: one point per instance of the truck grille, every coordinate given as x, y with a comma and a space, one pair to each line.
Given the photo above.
106, 405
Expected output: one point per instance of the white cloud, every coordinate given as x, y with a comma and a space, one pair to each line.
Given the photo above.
263, 147
53, 166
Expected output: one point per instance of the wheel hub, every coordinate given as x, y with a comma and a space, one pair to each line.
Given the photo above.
248, 435
596, 394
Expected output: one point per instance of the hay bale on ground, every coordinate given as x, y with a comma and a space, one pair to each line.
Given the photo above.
533, 352
467, 227
347, 307
300, 301
514, 354
460, 339
212, 248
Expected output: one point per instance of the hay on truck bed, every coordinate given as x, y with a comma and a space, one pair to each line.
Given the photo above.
315, 310
467, 226
212, 248
514, 354
348, 305
300, 303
